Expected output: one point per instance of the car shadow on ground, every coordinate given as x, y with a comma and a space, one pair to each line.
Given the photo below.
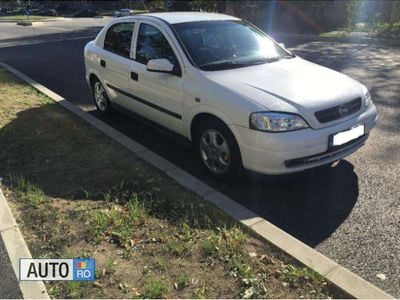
310, 205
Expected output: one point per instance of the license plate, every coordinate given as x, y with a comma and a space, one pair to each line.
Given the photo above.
348, 135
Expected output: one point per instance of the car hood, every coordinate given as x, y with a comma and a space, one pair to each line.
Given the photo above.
290, 85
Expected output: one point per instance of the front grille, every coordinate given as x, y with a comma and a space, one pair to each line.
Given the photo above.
339, 111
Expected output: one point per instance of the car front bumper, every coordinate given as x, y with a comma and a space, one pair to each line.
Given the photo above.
288, 152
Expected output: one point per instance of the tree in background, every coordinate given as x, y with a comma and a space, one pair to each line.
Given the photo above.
353, 12
395, 13
209, 6
373, 12
288, 15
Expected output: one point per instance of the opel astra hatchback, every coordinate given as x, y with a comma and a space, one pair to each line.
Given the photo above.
243, 100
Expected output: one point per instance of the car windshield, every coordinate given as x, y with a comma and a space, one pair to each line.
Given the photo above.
219, 45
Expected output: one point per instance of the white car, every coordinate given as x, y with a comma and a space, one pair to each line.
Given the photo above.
243, 100
123, 13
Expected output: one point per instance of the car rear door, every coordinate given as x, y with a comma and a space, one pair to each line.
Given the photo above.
114, 60
157, 96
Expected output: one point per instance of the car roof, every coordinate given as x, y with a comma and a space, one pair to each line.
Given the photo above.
182, 17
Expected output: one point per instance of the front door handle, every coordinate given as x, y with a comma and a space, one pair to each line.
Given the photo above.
102, 63
134, 76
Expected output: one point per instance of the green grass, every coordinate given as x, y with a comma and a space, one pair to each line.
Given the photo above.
381, 29
116, 221
340, 34
154, 289
240, 267
160, 264
74, 289
28, 192
140, 11
296, 276
16, 18
181, 281
224, 242
175, 247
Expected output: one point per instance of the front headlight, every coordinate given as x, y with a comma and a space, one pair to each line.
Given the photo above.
276, 122
368, 99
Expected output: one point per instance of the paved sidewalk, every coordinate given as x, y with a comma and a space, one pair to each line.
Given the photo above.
9, 287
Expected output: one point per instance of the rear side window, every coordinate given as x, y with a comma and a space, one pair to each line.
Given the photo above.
119, 37
151, 44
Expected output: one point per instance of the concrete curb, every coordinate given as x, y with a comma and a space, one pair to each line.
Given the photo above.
349, 282
16, 249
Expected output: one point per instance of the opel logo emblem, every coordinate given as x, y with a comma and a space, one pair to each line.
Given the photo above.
343, 110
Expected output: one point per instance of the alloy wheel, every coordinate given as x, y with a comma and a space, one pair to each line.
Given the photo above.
214, 151
100, 96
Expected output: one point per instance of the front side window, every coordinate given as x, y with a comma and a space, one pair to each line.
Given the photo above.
218, 45
151, 44
119, 37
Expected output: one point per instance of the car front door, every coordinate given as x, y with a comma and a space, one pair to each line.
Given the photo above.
156, 95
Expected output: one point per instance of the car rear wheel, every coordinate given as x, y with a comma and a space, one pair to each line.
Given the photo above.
217, 150
100, 98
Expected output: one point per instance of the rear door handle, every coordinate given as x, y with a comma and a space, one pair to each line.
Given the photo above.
134, 76
102, 63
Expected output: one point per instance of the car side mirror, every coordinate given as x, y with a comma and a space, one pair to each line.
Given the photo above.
160, 65
282, 45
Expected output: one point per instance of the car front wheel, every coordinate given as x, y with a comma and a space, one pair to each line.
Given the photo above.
217, 150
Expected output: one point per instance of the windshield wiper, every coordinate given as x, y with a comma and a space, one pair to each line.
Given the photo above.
264, 60
222, 65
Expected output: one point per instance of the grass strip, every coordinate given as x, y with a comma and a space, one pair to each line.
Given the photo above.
17, 18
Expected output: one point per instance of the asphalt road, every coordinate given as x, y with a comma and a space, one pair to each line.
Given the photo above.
9, 288
350, 212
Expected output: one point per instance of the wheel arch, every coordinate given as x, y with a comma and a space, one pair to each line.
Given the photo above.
199, 117
92, 78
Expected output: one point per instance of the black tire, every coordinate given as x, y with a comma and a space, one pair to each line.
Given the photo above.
234, 169
103, 105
